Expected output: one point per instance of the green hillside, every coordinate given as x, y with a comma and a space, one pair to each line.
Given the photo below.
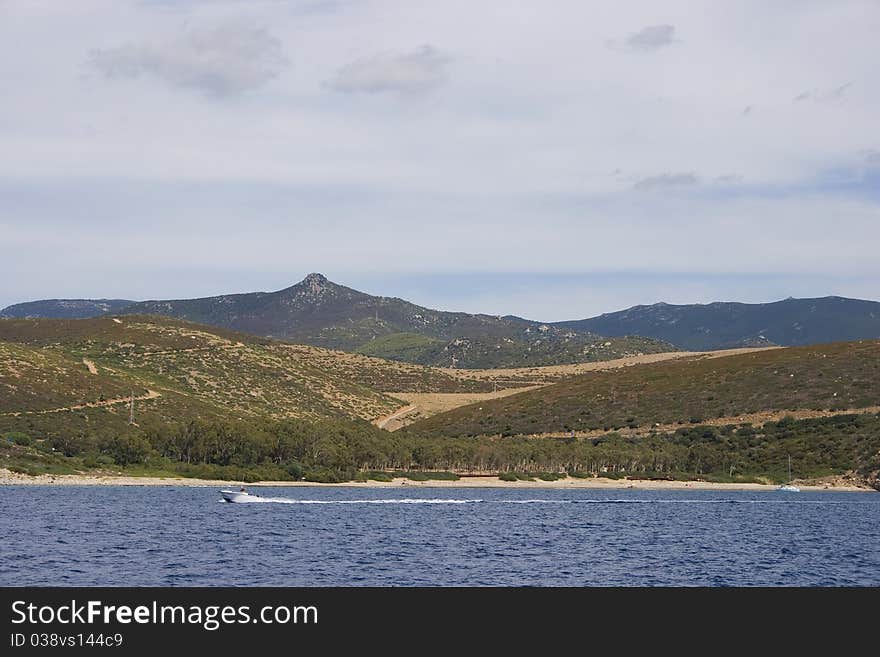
489, 352
835, 376
79, 373
34, 380
215, 403
407, 347
207, 401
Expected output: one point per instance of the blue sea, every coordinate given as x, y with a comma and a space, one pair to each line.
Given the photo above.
183, 536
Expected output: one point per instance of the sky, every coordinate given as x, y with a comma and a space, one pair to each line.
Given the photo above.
548, 160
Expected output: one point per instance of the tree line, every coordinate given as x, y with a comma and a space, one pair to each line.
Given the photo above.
339, 450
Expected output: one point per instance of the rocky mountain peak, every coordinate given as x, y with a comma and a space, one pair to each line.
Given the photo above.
315, 283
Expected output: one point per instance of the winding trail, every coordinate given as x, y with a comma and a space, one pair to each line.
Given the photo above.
383, 421
150, 394
189, 350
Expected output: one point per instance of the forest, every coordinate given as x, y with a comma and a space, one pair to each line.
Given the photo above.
345, 450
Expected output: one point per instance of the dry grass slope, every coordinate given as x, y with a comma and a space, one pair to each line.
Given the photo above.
833, 377
79, 365
497, 383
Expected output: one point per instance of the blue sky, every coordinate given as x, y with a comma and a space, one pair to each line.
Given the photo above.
502, 157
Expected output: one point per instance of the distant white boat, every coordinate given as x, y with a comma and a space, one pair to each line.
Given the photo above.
239, 496
789, 488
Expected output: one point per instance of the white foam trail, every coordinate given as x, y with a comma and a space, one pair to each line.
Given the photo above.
722, 501
287, 500
650, 501
537, 501
408, 500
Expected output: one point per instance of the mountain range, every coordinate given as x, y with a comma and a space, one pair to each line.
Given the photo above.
321, 313
318, 312
65, 308
696, 327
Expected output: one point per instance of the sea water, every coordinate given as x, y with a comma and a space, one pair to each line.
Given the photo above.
184, 536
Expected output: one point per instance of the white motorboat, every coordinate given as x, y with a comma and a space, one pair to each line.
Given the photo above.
239, 496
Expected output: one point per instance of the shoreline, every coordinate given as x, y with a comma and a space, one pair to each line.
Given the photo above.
8, 478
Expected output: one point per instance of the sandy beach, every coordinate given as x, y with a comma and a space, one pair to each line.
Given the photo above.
8, 478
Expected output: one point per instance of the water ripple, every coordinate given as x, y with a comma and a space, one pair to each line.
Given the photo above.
109, 535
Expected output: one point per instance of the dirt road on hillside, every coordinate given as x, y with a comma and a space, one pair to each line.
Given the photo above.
555, 372
150, 394
422, 405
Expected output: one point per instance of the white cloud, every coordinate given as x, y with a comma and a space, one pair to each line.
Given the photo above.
666, 180
404, 73
223, 61
513, 157
648, 39
872, 156
824, 95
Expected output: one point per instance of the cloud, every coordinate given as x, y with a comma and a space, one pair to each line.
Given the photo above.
291, 7
728, 179
872, 156
648, 39
821, 96
531, 125
414, 72
224, 61
666, 180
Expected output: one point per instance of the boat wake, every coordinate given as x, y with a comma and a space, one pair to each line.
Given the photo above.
287, 500
669, 501
539, 501
252, 499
